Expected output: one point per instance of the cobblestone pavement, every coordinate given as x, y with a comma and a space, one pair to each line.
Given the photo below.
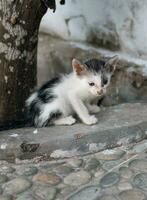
116, 174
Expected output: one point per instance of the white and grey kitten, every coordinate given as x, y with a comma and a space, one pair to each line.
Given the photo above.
58, 100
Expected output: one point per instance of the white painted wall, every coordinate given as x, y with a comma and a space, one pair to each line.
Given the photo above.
120, 23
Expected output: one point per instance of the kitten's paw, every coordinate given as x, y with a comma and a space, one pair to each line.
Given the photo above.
70, 120
91, 120
94, 109
65, 121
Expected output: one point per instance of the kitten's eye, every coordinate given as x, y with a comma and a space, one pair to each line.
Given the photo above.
105, 81
91, 84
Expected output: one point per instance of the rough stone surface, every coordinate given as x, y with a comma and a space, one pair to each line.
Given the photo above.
6, 197
67, 179
110, 154
47, 178
109, 179
124, 186
92, 164
77, 178
63, 170
26, 197
90, 192
75, 162
45, 193
132, 194
138, 164
3, 178
125, 172
118, 125
99, 173
1, 191
110, 164
6, 169
107, 198
140, 181
16, 186
27, 171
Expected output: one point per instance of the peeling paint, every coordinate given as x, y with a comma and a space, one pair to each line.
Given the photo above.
10, 52
6, 79
6, 36
3, 146
11, 68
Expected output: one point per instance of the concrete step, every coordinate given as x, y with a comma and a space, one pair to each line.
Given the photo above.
118, 125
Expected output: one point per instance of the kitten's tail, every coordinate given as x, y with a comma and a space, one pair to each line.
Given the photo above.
33, 105
36, 113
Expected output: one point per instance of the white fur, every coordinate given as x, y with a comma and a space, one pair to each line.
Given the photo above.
31, 98
73, 94
66, 121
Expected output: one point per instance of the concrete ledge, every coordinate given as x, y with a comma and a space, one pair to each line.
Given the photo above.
118, 125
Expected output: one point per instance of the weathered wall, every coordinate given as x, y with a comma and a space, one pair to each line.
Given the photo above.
114, 24
129, 83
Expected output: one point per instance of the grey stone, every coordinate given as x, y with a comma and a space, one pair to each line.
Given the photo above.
63, 170
109, 165
6, 169
111, 190
45, 193
3, 178
107, 197
1, 191
16, 186
138, 164
139, 147
125, 172
99, 173
77, 178
75, 162
25, 197
67, 190
88, 193
47, 178
122, 186
110, 154
6, 197
109, 179
140, 181
92, 164
133, 194
27, 171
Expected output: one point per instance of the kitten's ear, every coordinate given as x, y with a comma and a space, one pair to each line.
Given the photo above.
78, 68
110, 64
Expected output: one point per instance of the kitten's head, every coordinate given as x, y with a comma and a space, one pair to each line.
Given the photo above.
95, 74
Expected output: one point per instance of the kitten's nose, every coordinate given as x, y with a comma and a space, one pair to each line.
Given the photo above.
100, 92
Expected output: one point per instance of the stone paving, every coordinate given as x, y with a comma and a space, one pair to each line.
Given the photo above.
114, 174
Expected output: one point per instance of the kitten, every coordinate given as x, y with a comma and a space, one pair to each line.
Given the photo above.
59, 99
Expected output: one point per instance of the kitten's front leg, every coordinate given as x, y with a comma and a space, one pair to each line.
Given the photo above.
81, 110
93, 108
